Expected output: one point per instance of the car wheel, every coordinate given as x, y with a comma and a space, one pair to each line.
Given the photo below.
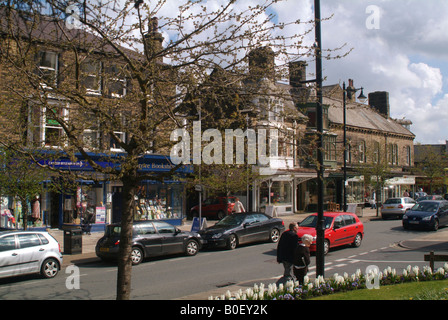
220, 215
192, 248
274, 235
326, 246
136, 255
232, 242
50, 268
435, 227
357, 241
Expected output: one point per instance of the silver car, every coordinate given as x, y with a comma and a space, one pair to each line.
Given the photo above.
25, 252
396, 207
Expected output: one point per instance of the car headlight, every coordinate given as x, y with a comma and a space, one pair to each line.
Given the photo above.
427, 218
217, 235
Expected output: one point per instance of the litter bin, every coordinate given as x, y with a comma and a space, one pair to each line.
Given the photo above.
72, 239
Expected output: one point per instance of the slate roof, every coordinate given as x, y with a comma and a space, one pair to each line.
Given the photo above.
360, 115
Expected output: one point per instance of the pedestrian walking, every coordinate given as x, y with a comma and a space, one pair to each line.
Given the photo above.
302, 258
286, 249
238, 207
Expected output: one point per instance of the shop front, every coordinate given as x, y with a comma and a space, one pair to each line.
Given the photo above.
98, 201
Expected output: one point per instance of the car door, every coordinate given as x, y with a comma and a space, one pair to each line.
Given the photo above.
152, 242
252, 229
339, 231
443, 214
351, 227
30, 253
8, 256
172, 239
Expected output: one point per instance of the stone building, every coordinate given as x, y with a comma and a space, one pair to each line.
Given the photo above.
378, 148
71, 97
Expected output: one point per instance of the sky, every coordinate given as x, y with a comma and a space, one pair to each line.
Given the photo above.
399, 46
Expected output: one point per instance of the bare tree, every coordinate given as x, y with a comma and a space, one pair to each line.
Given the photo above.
115, 75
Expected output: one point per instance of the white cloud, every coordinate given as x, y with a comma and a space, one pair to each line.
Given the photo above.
385, 59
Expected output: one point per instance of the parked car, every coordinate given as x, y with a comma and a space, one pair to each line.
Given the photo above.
429, 214
341, 228
419, 194
431, 197
214, 207
396, 207
240, 228
27, 252
150, 238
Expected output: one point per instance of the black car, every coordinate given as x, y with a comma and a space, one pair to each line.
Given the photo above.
242, 228
150, 238
427, 214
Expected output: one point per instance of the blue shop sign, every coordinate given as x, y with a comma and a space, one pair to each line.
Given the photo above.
147, 163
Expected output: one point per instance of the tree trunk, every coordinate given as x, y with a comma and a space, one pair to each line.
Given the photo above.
124, 259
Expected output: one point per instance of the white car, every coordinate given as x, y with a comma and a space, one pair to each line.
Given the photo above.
25, 252
396, 207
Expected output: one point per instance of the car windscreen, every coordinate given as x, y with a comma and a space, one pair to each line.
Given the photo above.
426, 207
232, 220
311, 222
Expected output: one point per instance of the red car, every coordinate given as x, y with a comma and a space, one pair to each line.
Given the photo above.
214, 207
341, 228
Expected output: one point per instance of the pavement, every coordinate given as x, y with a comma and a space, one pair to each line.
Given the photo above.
429, 241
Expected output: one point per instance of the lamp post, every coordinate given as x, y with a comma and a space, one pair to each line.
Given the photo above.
348, 92
320, 225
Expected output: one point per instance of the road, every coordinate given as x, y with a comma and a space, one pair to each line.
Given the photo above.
213, 271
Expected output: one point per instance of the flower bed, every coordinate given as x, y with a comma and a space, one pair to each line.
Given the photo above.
292, 290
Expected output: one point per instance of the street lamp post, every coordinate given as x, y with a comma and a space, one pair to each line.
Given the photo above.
320, 226
348, 92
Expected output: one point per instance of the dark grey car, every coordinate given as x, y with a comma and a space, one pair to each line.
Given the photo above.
150, 238
242, 228
428, 214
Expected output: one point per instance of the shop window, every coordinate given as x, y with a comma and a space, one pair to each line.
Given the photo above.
281, 193
159, 201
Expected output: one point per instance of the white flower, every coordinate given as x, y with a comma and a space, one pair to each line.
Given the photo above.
280, 287
306, 280
415, 270
228, 295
